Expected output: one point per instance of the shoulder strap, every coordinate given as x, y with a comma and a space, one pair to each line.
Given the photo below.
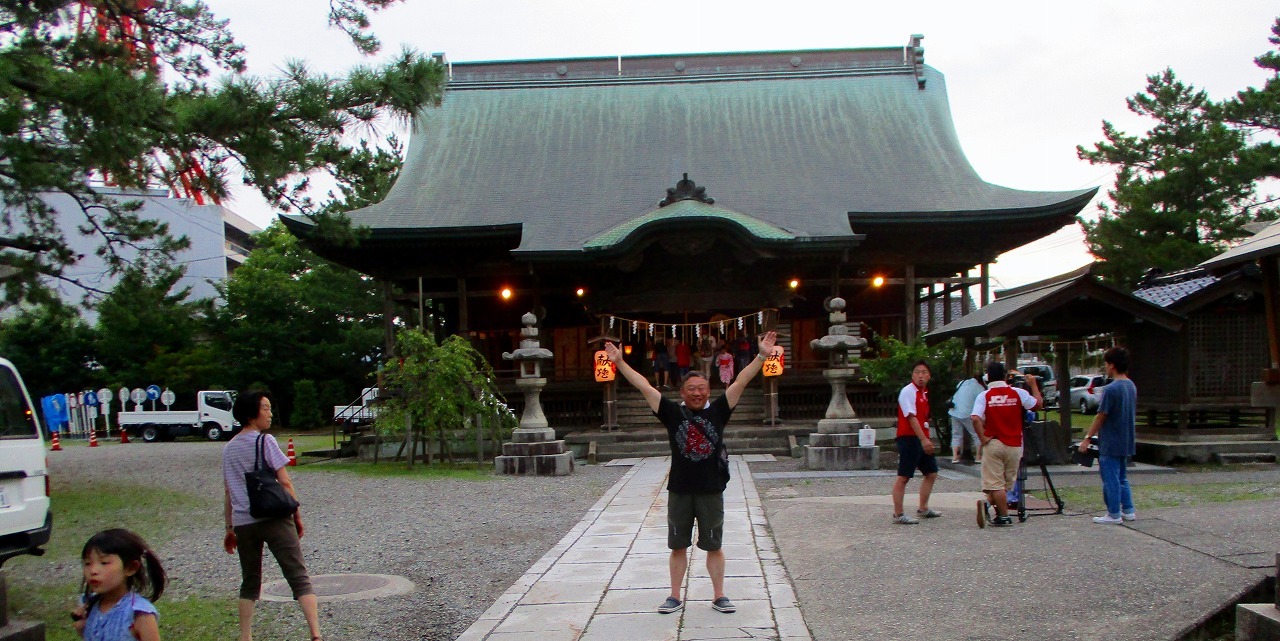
259, 453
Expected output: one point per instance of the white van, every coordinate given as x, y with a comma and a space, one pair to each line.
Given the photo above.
25, 520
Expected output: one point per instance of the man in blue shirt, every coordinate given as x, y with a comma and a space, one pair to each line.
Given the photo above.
1114, 425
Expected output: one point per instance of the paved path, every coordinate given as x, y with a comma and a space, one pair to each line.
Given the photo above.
605, 579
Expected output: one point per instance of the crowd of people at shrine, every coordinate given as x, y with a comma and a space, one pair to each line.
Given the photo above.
671, 358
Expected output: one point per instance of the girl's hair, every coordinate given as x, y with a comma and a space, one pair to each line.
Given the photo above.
131, 549
248, 405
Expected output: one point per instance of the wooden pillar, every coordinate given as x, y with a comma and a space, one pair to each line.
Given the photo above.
1062, 372
968, 356
1270, 290
986, 284
422, 311
463, 323
388, 316
1010, 353
909, 285
946, 303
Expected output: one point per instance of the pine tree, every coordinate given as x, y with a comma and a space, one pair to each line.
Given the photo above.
1183, 189
74, 105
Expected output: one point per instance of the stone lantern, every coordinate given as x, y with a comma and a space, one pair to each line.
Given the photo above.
835, 445
533, 448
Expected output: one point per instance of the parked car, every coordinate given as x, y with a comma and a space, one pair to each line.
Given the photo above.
1086, 391
25, 520
1045, 380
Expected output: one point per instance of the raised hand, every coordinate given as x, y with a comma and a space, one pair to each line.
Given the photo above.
612, 350
767, 342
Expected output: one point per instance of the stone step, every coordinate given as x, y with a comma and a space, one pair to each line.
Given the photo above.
1229, 458
637, 450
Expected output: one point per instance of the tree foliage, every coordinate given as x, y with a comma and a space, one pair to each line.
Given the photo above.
51, 346
437, 390
74, 105
892, 371
149, 332
290, 315
1186, 187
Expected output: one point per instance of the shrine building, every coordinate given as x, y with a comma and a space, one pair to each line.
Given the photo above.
690, 195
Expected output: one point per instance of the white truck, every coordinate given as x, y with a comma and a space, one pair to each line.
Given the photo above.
211, 419
359, 412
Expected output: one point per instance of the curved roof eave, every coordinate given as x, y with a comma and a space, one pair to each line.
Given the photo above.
1053, 203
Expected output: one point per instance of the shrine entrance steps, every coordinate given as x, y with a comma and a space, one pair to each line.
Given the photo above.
639, 433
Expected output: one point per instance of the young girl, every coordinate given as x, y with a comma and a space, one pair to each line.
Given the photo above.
725, 362
118, 566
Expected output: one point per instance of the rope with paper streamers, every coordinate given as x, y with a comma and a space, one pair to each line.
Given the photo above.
1084, 351
692, 333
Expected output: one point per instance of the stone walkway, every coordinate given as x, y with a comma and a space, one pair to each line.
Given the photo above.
605, 579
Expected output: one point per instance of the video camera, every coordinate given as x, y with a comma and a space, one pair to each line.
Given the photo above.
1087, 458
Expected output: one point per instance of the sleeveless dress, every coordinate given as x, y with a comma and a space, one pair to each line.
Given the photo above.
114, 624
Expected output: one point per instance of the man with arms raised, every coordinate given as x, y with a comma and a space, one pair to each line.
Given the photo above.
695, 489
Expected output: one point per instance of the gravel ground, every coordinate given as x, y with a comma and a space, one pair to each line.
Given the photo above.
462, 543
871, 486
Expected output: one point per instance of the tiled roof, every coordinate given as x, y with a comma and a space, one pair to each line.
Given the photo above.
577, 150
1167, 294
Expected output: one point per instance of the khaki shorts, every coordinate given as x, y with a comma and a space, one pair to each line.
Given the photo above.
999, 466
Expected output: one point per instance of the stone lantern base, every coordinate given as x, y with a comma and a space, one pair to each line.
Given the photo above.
534, 452
835, 447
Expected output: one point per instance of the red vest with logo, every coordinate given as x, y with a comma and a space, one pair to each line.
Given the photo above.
1004, 416
922, 414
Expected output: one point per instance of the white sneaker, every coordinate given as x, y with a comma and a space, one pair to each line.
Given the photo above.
1108, 519
1129, 516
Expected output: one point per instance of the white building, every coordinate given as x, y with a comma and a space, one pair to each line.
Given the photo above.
219, 242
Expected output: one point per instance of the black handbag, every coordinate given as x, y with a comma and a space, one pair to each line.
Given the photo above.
267, 498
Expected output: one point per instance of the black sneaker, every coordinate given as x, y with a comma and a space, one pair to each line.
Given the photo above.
672, 604
1001, 521
723, 604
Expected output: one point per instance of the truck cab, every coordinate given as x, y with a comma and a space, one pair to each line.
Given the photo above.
215, 414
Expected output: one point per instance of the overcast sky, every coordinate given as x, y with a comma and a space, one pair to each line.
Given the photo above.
1028, 81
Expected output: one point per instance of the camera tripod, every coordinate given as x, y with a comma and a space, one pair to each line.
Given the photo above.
1038, 458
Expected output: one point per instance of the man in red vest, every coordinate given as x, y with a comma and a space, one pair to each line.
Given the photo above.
915, 448
997, 417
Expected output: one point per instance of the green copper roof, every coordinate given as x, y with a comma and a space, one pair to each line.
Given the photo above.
580, 150
688, 210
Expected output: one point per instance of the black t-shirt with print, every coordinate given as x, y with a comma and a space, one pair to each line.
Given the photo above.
694, 468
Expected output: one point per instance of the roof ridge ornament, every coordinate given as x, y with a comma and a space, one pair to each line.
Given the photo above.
915, 57
686, 189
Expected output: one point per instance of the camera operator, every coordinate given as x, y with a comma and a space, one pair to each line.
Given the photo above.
997, 417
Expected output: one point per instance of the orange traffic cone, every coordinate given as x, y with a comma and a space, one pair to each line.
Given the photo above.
93, 438
293, 457
124, 436
57, 445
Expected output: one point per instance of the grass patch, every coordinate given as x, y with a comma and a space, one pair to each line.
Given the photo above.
307, 442
1170, 495
83, 509
459, 471
189, 618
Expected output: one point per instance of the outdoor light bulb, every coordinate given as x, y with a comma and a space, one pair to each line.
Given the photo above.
878, 281
505, 293
581, 292
626, 349
794, 283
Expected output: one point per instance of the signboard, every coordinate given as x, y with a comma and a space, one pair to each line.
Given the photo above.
138, 395
604, 368
167, 397
774, 363
91, 399
105, 397
153, 392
